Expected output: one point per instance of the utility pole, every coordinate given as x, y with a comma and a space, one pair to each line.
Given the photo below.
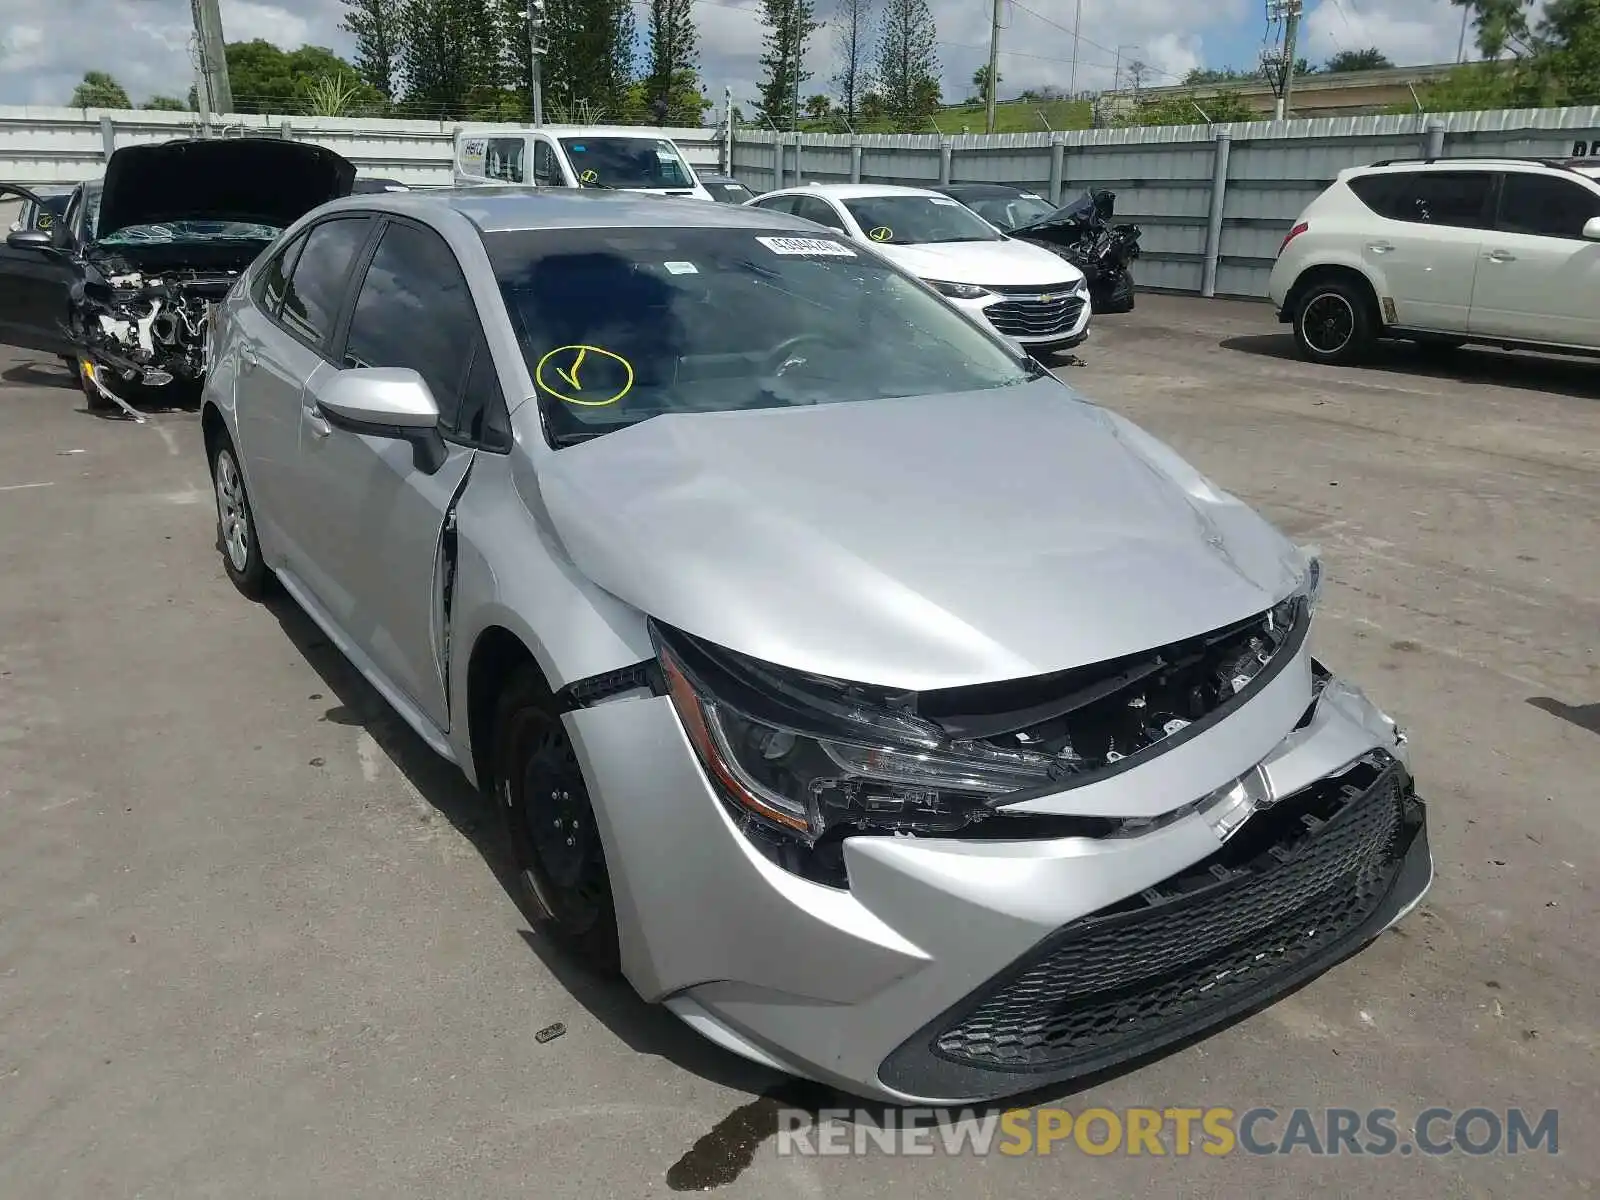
794, 117
212, 91
994, 69
1077, 23
1461, 43
536, 46
1279, 64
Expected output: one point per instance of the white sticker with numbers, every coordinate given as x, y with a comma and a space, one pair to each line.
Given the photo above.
801, 246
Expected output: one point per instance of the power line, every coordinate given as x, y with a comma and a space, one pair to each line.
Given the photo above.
1051, 21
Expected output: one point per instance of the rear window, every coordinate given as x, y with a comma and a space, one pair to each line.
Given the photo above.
1457, 199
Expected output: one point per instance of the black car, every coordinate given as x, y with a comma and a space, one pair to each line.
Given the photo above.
1080, 231
126, 277
725, 189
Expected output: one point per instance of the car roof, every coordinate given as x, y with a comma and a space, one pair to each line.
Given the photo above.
630, 131
852, 191
499, 209
983, 189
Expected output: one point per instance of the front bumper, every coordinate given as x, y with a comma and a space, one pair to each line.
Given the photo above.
945, 973
1042, 320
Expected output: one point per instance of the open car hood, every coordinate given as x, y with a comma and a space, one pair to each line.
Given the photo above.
260, 180
1080, 209
918, 543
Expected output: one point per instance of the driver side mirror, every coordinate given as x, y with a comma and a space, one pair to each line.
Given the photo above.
29, 239
386, 402
1591, 229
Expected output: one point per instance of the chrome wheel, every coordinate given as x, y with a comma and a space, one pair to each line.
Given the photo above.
1328, 323
233, 517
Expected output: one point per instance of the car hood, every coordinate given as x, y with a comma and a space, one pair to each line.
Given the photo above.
264, 181
915, 543
1003, 263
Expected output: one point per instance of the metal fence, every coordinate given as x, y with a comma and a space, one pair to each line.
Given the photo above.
1214, 201
65, 145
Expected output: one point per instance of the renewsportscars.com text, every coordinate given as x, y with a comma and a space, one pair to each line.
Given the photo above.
1178, 1131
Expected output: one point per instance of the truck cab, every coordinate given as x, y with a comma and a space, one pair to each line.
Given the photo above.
620, 158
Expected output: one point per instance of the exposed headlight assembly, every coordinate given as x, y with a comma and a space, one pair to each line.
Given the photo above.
958, 291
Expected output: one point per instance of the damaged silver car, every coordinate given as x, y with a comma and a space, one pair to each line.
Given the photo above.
889, 712
122, 284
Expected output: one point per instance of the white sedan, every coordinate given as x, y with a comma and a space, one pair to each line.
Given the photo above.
1020, 290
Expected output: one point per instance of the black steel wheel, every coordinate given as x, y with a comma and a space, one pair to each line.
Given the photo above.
1333, 322
555, 841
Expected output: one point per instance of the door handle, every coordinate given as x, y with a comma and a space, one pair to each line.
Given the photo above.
1380, 247
318, 424
1500, 256
247, 359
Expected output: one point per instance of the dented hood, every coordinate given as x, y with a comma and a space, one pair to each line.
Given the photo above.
263, 181
917, 543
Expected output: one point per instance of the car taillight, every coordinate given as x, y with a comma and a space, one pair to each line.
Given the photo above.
1293, 233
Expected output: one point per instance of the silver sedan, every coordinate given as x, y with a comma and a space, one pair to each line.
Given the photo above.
891, 713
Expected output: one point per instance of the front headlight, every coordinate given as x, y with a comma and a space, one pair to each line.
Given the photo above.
790, 752
958, 291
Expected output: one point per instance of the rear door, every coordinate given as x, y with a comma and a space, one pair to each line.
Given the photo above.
284, 339
1539, 277
35, 293
376, 539
1423, 249
815, 208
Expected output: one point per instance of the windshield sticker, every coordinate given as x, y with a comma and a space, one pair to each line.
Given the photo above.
588, 176
563, 371
799, 245
666, 156
946, 201
1031, 196
882, 233
577, 149
681, 268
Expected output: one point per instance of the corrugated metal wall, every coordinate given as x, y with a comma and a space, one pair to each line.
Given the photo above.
65, 145
1163, 176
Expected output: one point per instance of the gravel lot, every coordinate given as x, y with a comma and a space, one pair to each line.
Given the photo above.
253, 941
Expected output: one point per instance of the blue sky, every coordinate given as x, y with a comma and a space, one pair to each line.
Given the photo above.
45, 48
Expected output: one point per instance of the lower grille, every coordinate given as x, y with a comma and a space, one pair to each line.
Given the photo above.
1304, 878
1035, 318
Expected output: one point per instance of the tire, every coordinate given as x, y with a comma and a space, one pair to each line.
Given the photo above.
539, 788
236, 523
1333, 322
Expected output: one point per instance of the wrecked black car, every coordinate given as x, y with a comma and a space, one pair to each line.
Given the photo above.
1080, 231
122, 284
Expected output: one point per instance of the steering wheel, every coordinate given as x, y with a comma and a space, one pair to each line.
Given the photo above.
781, 354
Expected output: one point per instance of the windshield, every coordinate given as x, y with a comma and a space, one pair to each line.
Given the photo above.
49, 211
918, 220
621, 325
191, 231
627, 162
730, 193
1011, 212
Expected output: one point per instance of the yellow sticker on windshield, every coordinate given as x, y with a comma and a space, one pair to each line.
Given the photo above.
562, 372
881, 234
588, 177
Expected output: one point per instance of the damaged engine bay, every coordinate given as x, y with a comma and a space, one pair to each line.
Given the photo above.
827, 760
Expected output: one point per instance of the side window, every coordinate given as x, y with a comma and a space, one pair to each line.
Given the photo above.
546, 167
274, 281
1544, 206
317, 282
814, 208
1458, 199
503, 160
484, 419
783, 204
414, 311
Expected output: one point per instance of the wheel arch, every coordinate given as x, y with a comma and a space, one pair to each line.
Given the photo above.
212, 428
1336, 272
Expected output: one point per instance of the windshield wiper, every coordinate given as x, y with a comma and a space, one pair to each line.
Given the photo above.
595, 183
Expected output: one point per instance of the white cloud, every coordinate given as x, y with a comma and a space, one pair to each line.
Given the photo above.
1408, 31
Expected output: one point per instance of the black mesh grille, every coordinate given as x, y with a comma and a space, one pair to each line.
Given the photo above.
1035, 318
1111, 984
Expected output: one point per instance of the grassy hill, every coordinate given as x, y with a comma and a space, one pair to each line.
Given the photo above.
1014, 116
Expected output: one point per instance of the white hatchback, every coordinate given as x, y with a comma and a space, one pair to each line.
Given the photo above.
1022, 291
1443, 252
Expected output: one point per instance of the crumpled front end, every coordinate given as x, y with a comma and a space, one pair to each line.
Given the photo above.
873, 919
151, 326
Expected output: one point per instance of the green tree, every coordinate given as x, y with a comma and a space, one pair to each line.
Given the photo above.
267, 79
587, 68
1551, 60
1218, 110
790, 23
1201, 75
672, 54
1370, 59
818, 107
980, 81
907, 66
165, 104
99, 90
852, 26
375, 26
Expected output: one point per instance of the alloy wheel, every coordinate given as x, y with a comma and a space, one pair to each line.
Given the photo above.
1328, 322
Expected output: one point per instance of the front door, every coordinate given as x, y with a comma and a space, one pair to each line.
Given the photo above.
35, 294
375, 547
1538, 277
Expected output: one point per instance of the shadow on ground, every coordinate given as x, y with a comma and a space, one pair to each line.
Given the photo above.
40, 374
1584, 716
1579, 377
